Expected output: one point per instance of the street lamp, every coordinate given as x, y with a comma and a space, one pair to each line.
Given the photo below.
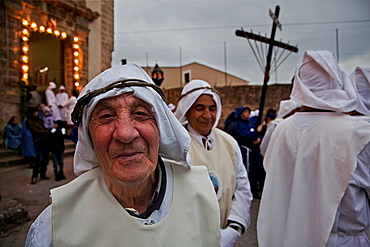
157, 75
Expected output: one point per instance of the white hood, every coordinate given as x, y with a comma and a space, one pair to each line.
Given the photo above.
189, 97
320, 83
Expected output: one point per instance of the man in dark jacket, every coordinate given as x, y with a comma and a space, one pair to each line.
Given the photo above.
39, 134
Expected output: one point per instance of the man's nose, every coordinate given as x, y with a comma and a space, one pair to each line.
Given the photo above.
125, 130
207, 114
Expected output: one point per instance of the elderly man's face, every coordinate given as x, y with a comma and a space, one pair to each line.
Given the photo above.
125, 138
202, 114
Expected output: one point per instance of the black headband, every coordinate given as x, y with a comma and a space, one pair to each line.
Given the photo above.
85, 100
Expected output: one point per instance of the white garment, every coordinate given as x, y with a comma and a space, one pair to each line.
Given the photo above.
242, 196
40, 233
52, 102
361, 78
61, 99
267, 137
241, 202
305, 183
320, 83
69, 105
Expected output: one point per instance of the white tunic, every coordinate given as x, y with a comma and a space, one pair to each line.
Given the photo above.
225, 162
52, 102
306, 183
61, 99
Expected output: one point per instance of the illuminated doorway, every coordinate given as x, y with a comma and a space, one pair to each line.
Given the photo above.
45, 60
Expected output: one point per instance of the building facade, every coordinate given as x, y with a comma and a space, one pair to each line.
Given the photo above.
177, 77
64, 41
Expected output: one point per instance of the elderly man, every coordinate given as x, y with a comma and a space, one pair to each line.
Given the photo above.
125, 195
199, 109
317, 164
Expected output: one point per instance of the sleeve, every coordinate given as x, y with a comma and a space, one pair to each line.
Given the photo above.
240, 205
67, 103
267, 137
8, 133
244, 134
40, 233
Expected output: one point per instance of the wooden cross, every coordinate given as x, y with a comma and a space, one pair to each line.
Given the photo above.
272, 42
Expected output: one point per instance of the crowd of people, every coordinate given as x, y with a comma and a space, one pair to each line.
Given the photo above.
43, 131
143, 165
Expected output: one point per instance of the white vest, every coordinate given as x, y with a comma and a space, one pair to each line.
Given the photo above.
220, 162
85, 213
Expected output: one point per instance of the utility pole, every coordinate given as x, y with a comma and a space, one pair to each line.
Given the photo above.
272, 42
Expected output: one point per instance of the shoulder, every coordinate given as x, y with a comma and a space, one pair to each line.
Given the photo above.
225, 137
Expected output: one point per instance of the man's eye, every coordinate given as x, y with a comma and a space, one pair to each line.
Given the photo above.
141, 115
106, 116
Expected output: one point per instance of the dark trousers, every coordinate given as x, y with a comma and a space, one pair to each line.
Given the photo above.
41, 162
256, 172
58, 162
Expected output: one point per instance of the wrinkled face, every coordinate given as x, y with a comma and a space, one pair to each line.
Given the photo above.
125, 138
202, 114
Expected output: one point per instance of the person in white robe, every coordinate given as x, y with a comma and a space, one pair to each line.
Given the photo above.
361, 78
199, 110
287, 108
61, 97
69, 105
52, 102
126, 194
317, 164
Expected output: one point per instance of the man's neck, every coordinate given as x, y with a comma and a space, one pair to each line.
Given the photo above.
137, 197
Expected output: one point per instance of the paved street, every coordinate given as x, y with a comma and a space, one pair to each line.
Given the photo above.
15, 184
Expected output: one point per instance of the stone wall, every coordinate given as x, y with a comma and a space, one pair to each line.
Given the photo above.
234, 96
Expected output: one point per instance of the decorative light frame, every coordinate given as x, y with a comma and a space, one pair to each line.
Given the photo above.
31, 26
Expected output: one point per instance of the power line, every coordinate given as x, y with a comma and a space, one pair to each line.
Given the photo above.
249, 26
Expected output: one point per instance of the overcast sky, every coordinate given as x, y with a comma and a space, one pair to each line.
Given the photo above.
179, 32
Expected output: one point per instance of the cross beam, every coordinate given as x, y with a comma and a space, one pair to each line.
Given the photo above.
272, 42
244, 34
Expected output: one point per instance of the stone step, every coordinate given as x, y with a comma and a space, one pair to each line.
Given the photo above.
12, 158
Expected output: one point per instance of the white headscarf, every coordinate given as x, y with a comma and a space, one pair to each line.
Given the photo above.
361, 78
52, 85
286, 106
189, 97
174, 139
320, 83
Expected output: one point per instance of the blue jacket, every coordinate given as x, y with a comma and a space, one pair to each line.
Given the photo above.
27, 149
12, 136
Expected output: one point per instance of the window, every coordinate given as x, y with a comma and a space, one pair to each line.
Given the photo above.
186, 76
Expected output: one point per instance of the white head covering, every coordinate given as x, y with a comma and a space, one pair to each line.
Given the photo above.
189, 97
286, 106
52, 85
320, 83
361, 78
174, 139
62, 87
171, 106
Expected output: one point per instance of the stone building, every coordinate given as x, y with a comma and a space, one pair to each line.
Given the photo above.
175, 77
65, 41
